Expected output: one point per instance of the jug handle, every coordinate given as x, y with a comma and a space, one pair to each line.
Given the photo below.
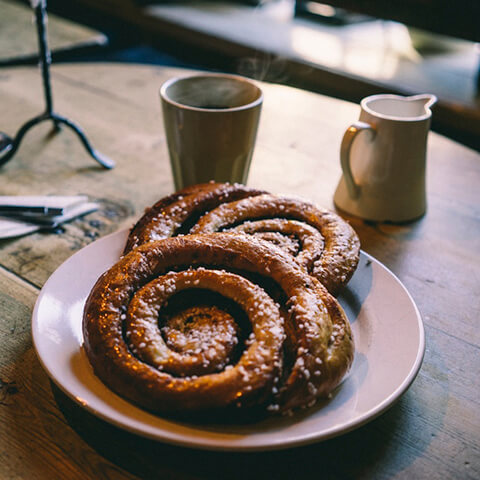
352, 131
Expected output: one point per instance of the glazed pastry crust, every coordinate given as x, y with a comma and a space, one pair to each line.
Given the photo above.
299, 348
172, 215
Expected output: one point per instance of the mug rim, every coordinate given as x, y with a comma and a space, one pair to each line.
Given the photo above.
164, 96
417, 118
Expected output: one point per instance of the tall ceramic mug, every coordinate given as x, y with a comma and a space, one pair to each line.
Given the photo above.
211, 123
383, 159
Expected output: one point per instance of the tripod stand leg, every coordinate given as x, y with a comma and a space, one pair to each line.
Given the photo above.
10, 146
103, 160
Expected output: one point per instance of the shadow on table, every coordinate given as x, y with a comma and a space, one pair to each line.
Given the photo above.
353, 455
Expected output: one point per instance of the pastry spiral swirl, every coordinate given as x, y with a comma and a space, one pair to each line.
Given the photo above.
320, 241
215, 322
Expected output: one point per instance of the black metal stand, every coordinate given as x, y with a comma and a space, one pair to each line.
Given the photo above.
9, 146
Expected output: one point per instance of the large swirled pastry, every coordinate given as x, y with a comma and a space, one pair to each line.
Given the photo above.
319, 240
202, 323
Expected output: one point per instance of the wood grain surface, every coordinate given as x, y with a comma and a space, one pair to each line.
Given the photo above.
433, 431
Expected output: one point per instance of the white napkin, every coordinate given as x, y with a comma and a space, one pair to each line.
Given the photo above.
23, 224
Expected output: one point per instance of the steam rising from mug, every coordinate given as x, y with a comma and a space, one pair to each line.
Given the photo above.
211, 123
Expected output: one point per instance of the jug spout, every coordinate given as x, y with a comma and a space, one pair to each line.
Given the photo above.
423, 102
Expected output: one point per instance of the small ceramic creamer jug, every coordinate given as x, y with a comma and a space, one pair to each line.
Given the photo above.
383, 159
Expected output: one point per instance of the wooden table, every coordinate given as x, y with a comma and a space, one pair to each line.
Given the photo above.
433, 431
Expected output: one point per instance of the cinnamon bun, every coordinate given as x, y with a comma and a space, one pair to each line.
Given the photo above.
221, 322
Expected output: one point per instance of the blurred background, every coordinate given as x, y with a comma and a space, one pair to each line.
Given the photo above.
345, 48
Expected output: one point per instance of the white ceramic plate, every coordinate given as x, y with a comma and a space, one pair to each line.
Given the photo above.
386, 324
